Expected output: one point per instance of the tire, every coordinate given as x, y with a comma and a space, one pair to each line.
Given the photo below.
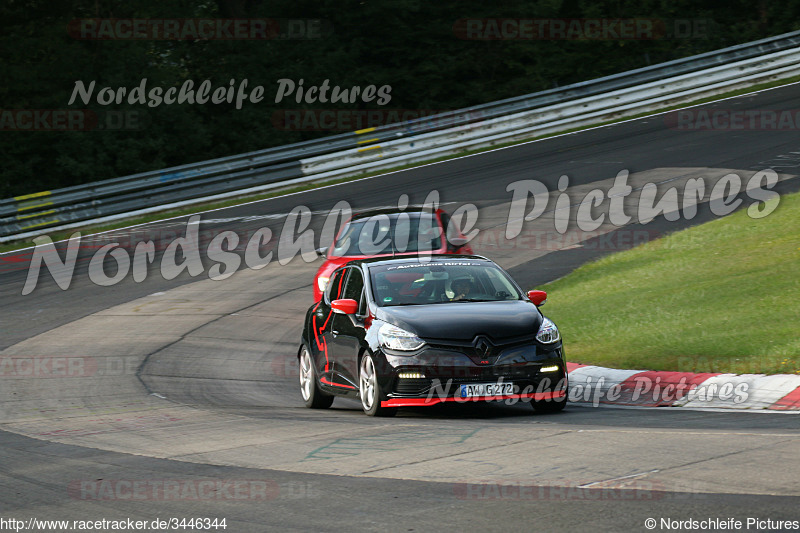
552, 406
313, 397
369, 391
549, 406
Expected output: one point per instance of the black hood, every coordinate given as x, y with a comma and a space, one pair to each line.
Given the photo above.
464, 320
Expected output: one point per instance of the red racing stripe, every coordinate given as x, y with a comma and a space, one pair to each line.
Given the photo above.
416, 402
658, 389
789, 402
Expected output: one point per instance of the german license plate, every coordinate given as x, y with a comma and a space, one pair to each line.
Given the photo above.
486, 389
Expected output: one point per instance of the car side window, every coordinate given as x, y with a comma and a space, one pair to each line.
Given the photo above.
354, 289
335, 286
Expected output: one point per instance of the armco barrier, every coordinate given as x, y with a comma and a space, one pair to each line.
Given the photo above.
558, 117
408, 142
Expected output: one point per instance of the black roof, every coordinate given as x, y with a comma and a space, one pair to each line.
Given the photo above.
411, 210
412, 258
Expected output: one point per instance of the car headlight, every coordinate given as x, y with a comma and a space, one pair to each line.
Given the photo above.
395, 338
548, 332
322, 282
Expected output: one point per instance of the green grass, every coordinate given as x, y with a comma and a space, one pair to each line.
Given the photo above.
200, 207
720, 297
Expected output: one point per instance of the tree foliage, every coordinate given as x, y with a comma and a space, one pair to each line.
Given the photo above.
409, 45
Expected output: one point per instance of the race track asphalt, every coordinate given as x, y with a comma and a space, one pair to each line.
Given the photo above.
193, 380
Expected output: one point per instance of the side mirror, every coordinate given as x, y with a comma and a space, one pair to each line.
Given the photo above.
322, 252
344, 307
537, 297
457, 241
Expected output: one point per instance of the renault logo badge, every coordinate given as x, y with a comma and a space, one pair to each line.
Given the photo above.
483, 346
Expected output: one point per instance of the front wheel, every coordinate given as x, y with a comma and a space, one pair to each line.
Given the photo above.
549, 406
553, 405
313, 397
368, 389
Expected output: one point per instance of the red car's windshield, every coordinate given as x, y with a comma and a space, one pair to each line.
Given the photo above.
387, 234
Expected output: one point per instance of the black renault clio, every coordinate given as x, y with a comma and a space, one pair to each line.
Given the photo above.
418, 331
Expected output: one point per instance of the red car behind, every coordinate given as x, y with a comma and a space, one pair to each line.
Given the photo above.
380, 233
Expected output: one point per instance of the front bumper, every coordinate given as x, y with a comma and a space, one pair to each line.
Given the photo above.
437, 374
428, 401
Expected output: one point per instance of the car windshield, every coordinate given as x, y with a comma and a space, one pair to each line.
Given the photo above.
387, 234
424, 283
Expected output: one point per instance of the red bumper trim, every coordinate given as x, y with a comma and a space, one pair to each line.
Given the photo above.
415, 402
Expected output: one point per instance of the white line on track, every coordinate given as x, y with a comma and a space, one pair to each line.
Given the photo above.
621, 478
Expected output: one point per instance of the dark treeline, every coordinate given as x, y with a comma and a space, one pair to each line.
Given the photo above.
410, 45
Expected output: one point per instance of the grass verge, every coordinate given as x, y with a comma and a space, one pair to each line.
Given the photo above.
218, 204
720, 297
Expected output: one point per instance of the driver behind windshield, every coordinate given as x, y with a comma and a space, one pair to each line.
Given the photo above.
461, 288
